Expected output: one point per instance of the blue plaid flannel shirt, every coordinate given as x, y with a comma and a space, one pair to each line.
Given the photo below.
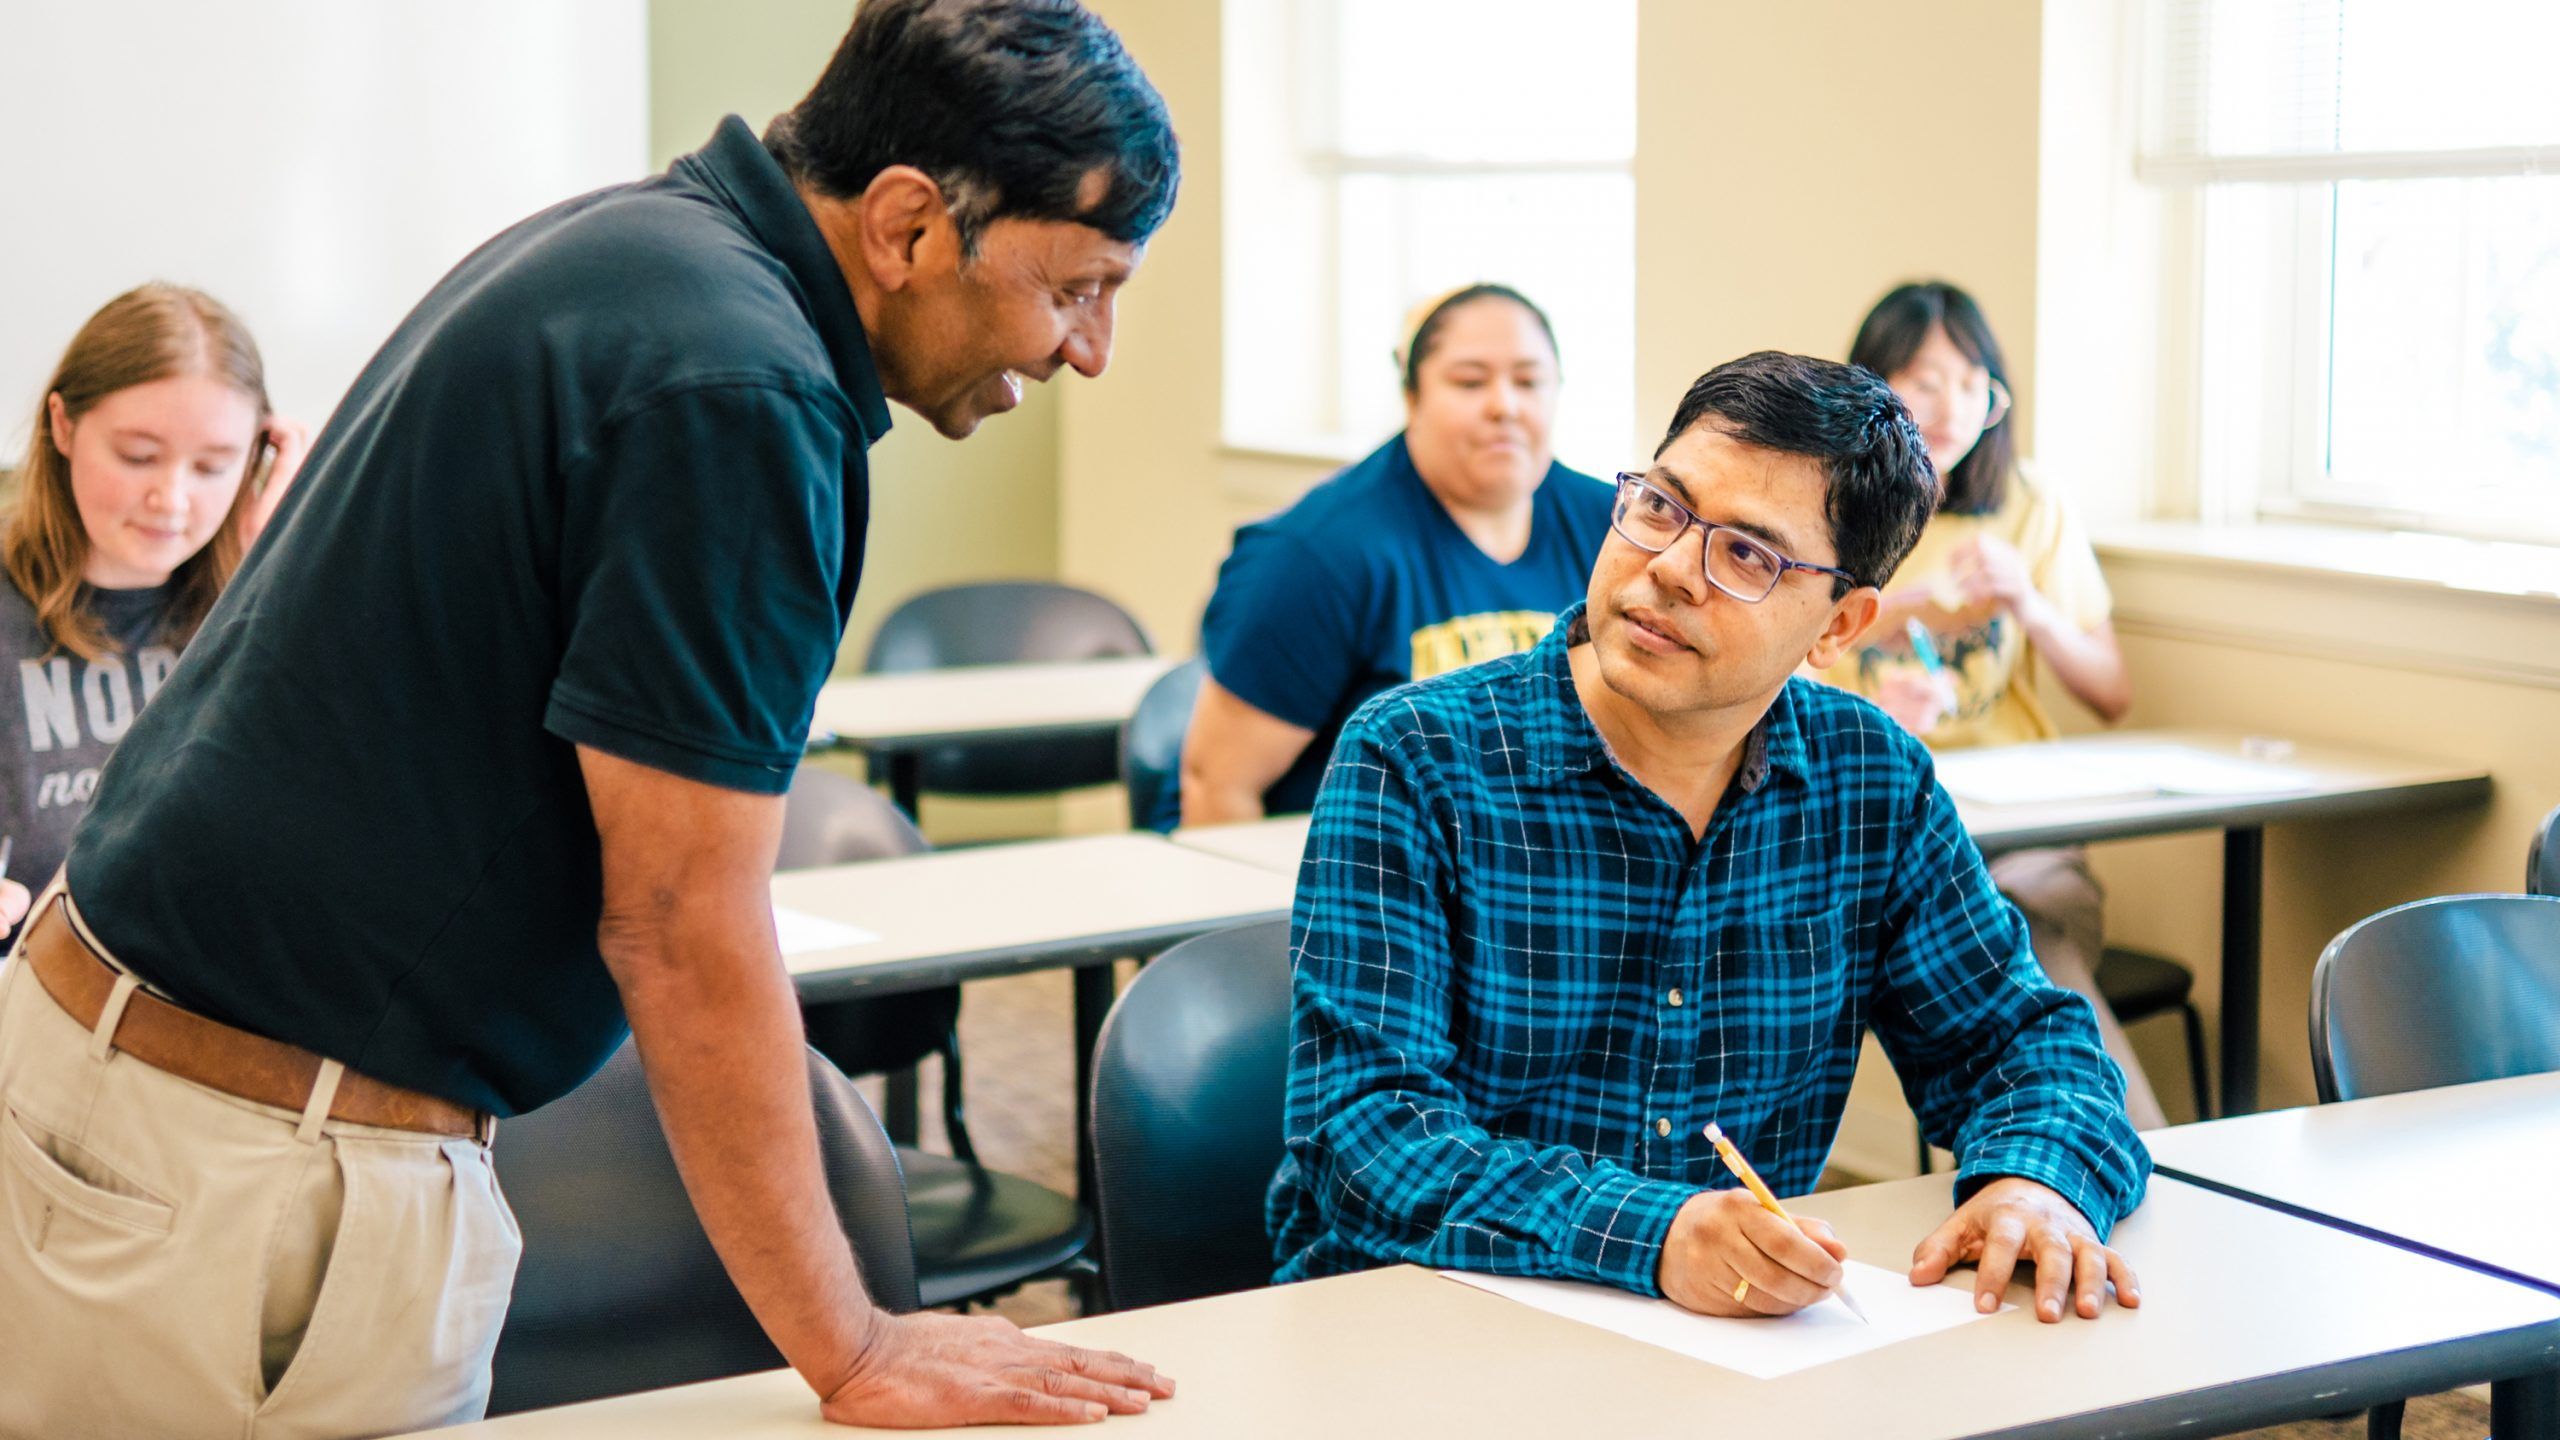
1521, 989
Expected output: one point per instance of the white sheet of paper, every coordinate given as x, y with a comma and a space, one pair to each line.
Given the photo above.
1765, 1348
2025, 777
801, 932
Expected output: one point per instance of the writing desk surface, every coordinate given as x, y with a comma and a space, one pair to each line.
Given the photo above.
2473, 1170
917, 708
1276, 844
2344, 781
1002, 908
2248, 1314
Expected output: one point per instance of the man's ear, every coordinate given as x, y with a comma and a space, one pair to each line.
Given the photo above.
1851, 614
905, 229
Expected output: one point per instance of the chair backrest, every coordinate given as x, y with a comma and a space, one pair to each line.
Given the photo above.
1151, 747
834, 819
619, 1289
2542, 857
1187, 1115
1003, 622
2438, 992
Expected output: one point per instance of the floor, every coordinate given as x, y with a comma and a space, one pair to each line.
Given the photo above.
1014, 1033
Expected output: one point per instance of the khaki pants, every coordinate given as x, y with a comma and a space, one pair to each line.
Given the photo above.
176, 1262
2066, 921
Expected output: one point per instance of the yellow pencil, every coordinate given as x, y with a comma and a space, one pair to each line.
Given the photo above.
1759, 1188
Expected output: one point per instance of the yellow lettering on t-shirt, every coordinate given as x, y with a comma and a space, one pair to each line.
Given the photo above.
1451, 644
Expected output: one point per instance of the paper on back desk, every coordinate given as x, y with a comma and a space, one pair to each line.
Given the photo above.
1762, 1348
2026, 776
801, 933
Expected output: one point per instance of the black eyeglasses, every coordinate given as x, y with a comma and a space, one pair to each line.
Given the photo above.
1739, 564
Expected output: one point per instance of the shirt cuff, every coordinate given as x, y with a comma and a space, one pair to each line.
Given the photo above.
1619, 1227
2058, 1168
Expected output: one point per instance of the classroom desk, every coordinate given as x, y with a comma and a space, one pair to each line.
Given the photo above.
1403, 1353
2468, 1172
899, 716
1275, 844
2349, 783
956, 915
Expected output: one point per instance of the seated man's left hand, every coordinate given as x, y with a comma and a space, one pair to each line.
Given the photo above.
2010, 1220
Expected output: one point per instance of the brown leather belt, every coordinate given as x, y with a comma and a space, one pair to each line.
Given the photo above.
214, 1055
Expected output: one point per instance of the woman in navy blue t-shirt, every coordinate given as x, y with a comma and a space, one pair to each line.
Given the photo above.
1456, 541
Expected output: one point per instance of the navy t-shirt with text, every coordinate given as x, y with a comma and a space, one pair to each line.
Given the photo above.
1367, 583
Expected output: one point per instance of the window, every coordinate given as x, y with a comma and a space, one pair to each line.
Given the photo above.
1381, 151
2378, 191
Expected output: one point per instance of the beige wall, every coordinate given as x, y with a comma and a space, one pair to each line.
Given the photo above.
1765, 134
1790, 167
929, 496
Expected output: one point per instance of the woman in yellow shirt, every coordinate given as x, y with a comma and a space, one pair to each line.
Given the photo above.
2003, 581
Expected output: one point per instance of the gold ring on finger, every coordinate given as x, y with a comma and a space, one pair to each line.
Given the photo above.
1740, 1289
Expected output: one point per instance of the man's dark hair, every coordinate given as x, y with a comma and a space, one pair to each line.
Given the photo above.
1008, 104
1895, 330
1427, 334
1881, 490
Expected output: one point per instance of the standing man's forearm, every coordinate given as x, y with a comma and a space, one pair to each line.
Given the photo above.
719, 1035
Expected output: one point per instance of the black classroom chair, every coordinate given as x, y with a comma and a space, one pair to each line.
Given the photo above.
978, 1232
1188, 1088
2542, 857
619, 1289
1151, 747
2436, 992
1008, 622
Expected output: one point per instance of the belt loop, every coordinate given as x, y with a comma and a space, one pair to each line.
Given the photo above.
102, 1036
324, 1093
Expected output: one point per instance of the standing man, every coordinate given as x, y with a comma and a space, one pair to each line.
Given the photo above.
484, 755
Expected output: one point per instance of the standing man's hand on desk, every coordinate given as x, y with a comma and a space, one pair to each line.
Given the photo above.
687, 932
2013, 1219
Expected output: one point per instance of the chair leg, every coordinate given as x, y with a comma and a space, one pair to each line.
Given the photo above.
955, 1116
2198, 1074
2382, 1422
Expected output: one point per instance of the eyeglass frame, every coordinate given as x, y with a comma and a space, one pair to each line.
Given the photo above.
1709, 530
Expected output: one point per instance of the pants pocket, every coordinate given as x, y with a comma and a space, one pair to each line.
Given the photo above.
66, 1195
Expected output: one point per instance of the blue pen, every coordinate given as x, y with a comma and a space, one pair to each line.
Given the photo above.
1924, 648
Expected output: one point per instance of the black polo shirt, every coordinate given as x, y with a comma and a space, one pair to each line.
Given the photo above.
605, 486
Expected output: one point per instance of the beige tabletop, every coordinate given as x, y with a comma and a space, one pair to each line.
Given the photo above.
2343, 781
2473, 1170
2235, 1293
1274, 845
926, 706
960, 914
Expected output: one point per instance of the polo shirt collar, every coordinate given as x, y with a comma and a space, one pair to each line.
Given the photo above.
739, 166
1563, 742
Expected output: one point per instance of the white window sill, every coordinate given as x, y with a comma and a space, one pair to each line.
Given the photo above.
1334, 450
2506, 569
2479, 609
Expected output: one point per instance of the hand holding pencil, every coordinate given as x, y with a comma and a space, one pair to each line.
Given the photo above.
1730, 1255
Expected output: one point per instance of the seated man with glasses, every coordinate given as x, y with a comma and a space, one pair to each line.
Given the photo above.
1562, 911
